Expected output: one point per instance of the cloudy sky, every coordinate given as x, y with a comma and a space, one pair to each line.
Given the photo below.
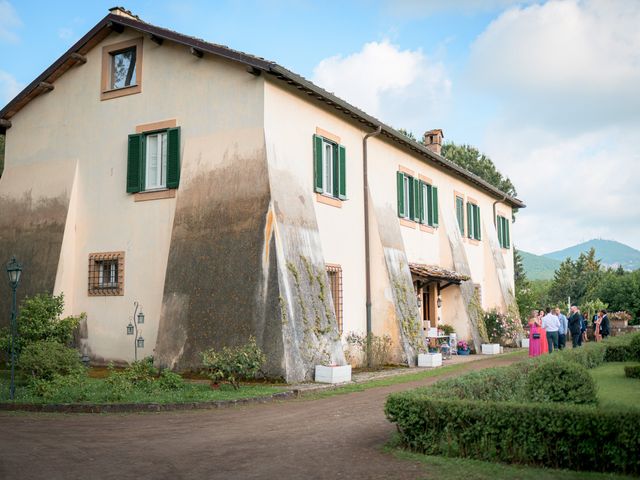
549, 90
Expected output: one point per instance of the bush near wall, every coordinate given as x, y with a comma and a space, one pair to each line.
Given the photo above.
488, 415
632, 371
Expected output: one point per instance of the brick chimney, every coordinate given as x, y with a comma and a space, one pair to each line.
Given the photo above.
433, 140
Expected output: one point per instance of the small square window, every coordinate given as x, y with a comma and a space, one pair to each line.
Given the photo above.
123, 68
106, 274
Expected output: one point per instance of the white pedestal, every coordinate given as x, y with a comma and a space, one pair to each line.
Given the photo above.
429, 359
333, 374
525, 343
490, 348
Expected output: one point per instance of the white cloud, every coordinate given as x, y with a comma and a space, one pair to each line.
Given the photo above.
401, 87
65, 33
9, 87
567, 64
9, 21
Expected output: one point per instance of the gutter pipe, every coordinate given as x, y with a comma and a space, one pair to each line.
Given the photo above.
366, 236
495, 221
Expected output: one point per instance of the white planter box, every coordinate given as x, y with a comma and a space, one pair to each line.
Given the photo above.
333, 374
429, 359
525, 343
490, 348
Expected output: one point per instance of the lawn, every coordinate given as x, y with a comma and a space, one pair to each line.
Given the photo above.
445, 468
614, 389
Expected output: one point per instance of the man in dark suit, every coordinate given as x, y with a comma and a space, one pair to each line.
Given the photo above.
575, 326
605, 327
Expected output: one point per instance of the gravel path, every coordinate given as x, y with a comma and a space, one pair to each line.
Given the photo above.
336, 437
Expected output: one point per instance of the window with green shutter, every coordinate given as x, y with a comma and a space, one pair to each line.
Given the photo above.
502, 225
153, 160
460, 214
329, 168
417, 200
473, 221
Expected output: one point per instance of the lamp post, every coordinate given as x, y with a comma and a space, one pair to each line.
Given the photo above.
132, 329
14, 270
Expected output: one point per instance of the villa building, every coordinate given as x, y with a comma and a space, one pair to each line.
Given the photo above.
231, 198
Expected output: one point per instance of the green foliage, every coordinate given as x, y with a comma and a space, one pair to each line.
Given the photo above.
471, 159
39, 319
634, 348
232, 364
577, 279
504, 329
558, 380
62, 388
632, 371
169, 380
590, 308
46, 359
621, 290
575, 437
408, 134
380, 348
447, 329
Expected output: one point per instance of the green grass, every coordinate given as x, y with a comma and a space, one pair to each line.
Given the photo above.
614, 389
97, 391
396, 379
445, 468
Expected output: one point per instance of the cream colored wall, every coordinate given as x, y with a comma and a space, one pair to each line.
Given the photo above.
71, 124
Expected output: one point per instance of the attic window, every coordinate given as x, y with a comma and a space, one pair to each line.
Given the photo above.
121, 69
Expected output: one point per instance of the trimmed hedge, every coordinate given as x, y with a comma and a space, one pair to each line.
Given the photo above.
559, 436
489, 415
632, 371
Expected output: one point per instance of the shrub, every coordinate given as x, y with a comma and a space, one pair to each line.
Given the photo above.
632, 371
634, 348
590, 355
380, 349
447, 329
557, 380
48, 358
39, 319
169, 380
576, 437
504, 329
63, 389
232, 364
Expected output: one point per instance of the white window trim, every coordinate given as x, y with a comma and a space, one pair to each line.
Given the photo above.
406, 193
160, 180
327, 167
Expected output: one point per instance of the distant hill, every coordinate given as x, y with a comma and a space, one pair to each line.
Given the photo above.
538, 267
610, 252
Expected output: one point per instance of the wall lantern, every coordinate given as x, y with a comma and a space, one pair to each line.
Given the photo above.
140, 342
140, 317
439, 302
14, 271
130, 329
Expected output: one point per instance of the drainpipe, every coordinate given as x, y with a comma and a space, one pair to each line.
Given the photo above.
366, 237
495, 222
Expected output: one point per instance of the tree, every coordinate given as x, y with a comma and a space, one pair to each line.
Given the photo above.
577, 280
471, 159
620, 291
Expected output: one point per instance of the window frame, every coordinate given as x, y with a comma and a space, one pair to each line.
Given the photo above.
96, 285
504, 235
474, 222
461, 217
337, 191
161, 176
334, 271
418, 204
108, 52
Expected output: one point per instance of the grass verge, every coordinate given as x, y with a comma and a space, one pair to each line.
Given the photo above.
615, 390
445, 468
402, 378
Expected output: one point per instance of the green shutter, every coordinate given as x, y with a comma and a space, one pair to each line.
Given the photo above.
507, 235
135, 163
415, 212
400, 183
421, 201
460, 214
477, 226
469, 220
173, 157
429, 205
317, 163
342, 172
434, 205
500, 231
336, 168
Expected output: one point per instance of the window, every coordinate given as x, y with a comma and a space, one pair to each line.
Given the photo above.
460, 214
153, 160
121, 69
106, 274
335, 279
473, 221
417, 200
330, 170
503, 232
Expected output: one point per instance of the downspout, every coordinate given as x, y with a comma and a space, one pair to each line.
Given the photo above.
495, 222
366, 237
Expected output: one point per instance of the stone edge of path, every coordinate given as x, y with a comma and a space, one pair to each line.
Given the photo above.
296, 392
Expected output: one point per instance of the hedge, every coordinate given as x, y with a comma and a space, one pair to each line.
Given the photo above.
488, 415
559, 436
632, 371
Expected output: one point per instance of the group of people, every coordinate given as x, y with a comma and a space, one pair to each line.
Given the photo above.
548, 329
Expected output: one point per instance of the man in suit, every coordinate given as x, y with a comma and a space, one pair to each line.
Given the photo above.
562, 331
575, 326
605, 327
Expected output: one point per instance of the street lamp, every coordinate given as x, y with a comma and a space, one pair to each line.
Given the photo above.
132, 329
14, 270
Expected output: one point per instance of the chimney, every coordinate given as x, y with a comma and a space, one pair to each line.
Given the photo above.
433, 140
123, 13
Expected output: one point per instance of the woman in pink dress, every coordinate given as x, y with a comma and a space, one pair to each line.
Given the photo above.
537, 335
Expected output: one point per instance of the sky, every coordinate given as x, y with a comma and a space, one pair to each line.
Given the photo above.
549, 90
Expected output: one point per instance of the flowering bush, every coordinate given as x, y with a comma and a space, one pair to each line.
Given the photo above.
462, 345
504, 329
620, 317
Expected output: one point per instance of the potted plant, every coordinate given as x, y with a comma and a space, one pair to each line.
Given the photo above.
463, 348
